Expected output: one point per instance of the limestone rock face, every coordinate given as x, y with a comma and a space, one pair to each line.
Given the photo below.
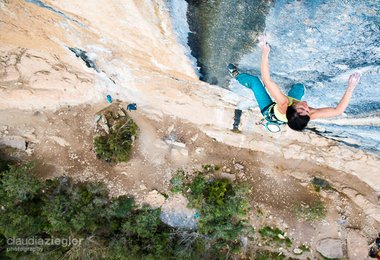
38, 66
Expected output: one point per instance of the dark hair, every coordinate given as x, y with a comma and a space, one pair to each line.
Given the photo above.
295, 120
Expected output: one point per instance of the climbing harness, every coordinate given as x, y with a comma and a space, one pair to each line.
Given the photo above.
270, 121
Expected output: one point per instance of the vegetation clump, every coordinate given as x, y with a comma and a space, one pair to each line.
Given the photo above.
267, 255
113, 228
222, 207
117, 134
313, 212
177, 182
320, 184
275, 235
103, 227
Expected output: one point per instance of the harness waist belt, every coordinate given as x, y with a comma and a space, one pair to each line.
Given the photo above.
272, 114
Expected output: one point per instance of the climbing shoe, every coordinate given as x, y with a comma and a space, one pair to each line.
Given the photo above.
232, 69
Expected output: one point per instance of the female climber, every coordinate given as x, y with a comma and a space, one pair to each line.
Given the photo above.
287, 108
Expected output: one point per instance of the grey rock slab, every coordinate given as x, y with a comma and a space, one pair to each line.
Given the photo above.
330, 248
228, 176
175, 144
17, 142
175, 213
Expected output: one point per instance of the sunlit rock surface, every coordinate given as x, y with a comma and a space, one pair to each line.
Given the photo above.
130, 45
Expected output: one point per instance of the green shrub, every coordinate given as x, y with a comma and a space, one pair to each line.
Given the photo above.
197, 188
147, 234
116, 146
275, 235
217, 191
267, 255
20, 182
177, 182
22, 220
102, 148
221, 207
76, 208
121, 207
144, 224
20, 201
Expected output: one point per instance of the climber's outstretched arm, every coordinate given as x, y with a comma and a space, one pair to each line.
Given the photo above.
272, 87
342, 105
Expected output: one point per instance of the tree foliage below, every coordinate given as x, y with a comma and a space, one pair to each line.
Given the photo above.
112, 228
222, 208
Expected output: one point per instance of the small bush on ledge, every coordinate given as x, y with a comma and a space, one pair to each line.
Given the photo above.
116, 136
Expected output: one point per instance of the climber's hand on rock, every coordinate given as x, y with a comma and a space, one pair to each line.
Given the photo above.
263, 44
353, 80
